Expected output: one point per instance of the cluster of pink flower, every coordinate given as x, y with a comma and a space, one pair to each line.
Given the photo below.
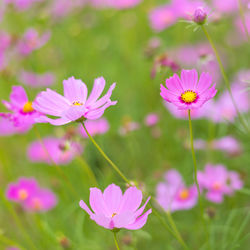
31, 196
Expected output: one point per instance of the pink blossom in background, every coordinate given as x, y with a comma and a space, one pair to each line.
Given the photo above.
223, 109
128, 126
240, 27
22, 113
217, 181
22, 190
22, 5
30, 195
96, 127
5, 41
243, 77
116, 4
227, 144
151, 119
12, 248
173, 195
74, 104
60, 151
187, 92
227, 6
112, 209
7, 127
31, 41
36, 80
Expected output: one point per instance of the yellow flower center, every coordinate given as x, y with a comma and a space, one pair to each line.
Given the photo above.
77, 104
188, 96
22, 194
27, 108
184, 194
37, 205
216, 186
114, 214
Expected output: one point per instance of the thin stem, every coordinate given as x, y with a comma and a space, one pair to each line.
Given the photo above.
113, 165
224, 76
116, 241
59, 170
88, 170
17, 221
243, 20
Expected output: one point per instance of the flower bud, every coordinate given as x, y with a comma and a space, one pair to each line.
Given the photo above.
200, 16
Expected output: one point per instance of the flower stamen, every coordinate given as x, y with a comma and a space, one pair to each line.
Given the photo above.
77, 103
189, 96
27, 108
184, 194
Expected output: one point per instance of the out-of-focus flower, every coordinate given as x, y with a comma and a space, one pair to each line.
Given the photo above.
228, 6
151, 119
240, 27
30, 195
173, 195
22, 190
218, 181
22, 113
188, 92
59, 151
12, 248
5, 41
36, 80
22, 5
223, 109
227, 144
97, 127
32, 41
74, 105
128, 126
200, 15
114, 210
152, 46
8, 128
116, 4
164, 61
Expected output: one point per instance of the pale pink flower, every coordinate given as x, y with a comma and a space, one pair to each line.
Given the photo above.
31, 41
217, 181
187, 92
22, 113
58, 150
114, 210
98, 127
5, 41
74, 105
173, 195
128, 126
151, 119
228, 6
36, 80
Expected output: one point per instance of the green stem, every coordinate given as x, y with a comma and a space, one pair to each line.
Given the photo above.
59, 170
17, 221
113, 165
88, 170
243, 20
116, 241
243, 122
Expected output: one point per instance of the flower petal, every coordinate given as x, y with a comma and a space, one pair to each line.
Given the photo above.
189, 79
140, 221
18, 96
83, 205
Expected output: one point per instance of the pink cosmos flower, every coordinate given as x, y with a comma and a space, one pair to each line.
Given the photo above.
74, 104
227, 144
114, 210
100, 126
223, 109
36, 80
187, 92
22, 113
151, 119
8, 128
60, 151
173, 195
22, 190
218, 181
32, 41
28, 193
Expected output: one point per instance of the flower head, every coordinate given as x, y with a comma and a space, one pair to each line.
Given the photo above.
187, 92
114, 210
74, 105
173, 195
151, 119
60, 151
22, 113
218, 181
200, 16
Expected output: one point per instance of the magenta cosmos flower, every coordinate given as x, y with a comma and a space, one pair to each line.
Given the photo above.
187, 92
112, 209
218, 181
23, 114
98, 127
173, 195
28, 193
74, 105
60, 151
